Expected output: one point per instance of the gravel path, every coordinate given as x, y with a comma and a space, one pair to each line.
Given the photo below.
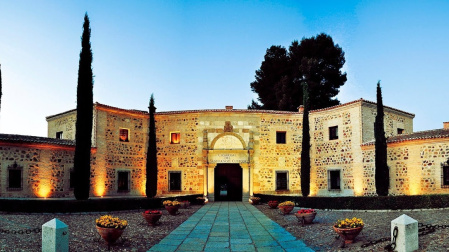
321, 237
138, 236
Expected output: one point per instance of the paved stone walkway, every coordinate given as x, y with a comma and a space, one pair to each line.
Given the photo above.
229, 226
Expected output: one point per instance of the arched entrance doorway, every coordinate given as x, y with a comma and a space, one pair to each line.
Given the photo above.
228, 182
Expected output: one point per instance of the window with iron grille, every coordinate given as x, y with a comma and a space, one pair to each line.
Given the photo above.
174, 180
333, 133
124, 135
334, 179
281, 137
281, 180
14, 177
123, 181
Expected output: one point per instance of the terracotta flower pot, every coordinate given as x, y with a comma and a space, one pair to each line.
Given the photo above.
273, 204
110, 235
172, 210
285, 209
152, 219
306, 217
348, 234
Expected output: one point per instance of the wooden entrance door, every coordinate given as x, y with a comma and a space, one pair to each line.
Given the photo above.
228, 182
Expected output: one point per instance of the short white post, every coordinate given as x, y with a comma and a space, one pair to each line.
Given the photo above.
55, 236
407, 235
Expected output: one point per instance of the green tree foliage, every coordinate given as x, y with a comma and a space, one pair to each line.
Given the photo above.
151, 184
382, 172
278, 81
305, 152
84, 116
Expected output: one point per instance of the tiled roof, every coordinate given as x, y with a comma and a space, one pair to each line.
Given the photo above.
34, 139
361, 100
420, 135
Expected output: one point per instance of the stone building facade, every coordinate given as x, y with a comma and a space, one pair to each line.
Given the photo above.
228, 154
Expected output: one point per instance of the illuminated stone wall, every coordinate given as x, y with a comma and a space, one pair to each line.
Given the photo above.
45, 170
415, 166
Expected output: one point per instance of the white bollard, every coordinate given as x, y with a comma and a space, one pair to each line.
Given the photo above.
55, 236
407, 234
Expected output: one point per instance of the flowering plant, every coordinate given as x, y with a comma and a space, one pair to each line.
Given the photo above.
108, 221
254, 198
349, 223
170, 203
153, 212
306, 211
287, 203
273, 202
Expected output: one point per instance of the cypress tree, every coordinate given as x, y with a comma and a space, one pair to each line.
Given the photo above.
305, 151
382, 176
151, 167
84, 108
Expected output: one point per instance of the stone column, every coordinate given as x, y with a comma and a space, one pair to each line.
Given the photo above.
210, 181
245, 182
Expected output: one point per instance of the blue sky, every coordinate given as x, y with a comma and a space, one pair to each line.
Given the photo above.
204, 54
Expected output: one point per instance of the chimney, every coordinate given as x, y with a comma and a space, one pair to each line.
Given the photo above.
229, 107
446, 125
301, 109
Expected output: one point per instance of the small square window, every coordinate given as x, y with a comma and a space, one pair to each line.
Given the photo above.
281, 137
123, 181
175, 137
59, 135
174, 178
333, 133
14, 177
400, 131
334, 180
281, 180
124, 135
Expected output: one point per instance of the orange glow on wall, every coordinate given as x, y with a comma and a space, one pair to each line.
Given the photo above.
99, 189
143, 188
358, 186
43, 190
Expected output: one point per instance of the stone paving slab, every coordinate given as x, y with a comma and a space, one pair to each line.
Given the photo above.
229, 226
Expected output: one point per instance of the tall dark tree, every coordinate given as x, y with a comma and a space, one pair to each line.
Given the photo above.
278, 81
84, 114
151, 184
382, 172
305, 151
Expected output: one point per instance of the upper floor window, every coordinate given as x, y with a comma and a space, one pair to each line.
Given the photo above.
333, 133
59, 135
14, 177
175, 137
281, 137
333, 177
400, 131
281, 180
124, 135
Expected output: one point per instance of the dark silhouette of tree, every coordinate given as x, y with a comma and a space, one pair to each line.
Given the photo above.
382, 173
305, 151
84, 109
278, 81
151, 184
1, 86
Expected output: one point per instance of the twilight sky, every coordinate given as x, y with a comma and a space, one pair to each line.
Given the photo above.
204, 54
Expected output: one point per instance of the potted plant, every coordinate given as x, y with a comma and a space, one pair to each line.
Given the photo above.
286, 207
306, 216
185, 204
110, 228
152, 216
348, 229
172, 206
273, 204
254, 200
